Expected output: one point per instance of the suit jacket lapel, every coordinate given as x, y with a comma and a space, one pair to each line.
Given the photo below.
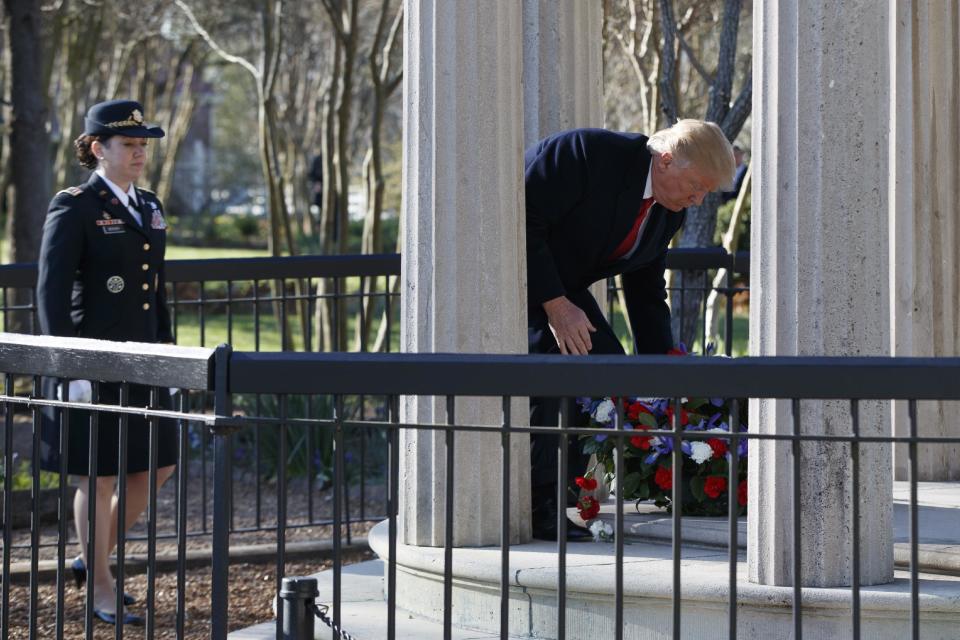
114, 207
629, 200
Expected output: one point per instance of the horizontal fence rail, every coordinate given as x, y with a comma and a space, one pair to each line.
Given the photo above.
556, 375
282, 396
351, 302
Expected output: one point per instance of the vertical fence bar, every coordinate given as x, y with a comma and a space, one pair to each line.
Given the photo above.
704, 292
220, 568
448, 522
797, 531
62, 514
281, 509
93, 444
311, 448
733, 512
677, 500
505, 520
388, 311
257, 463
202, 313
230, 311
153, 426
914, 526
256, 316
174, 305
562, 441
855, 514
204, 490
618, 524
182, 479
35, 520
286, 340
123, 440
728, 320
7, 504
338, 482
394, 494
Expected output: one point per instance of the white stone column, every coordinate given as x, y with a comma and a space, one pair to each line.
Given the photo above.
463, 255
924, 230
819, 277
563, 74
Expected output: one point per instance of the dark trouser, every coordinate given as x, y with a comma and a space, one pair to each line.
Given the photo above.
544, 462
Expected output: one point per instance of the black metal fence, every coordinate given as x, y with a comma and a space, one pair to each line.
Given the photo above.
342, 379
350, 303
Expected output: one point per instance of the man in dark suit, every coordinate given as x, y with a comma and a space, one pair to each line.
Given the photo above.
599, 204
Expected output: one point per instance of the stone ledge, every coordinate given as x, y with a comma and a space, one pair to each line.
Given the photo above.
647, 584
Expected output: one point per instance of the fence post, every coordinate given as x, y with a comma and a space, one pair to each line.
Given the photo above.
221, 497
298, 595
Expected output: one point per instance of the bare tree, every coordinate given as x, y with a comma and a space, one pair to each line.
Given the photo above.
385, 83
701, 222
29, 140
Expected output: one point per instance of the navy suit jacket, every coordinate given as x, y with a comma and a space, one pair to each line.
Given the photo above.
584, 188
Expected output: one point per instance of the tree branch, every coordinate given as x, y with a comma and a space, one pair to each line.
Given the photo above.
668, 56
723, 82
694, 62
220, 51
733, 122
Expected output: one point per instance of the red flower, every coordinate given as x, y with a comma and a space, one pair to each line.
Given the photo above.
684, 416
742, 493
586, 482
664, 478
714, 486
719, 447
641, 442
635, 409
588, 508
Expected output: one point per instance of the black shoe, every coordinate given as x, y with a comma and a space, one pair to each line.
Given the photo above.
80, 576
544, 518
111, 618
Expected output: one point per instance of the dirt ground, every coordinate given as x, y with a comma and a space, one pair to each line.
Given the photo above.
253, 586
252, 589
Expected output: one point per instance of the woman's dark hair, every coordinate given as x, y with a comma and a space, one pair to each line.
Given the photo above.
84, 154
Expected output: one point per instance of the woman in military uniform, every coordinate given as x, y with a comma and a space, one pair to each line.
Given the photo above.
101, 276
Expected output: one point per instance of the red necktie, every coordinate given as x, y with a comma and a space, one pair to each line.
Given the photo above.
631, 238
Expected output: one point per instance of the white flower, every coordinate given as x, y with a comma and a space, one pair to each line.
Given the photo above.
602, 531
604, 411
700, 451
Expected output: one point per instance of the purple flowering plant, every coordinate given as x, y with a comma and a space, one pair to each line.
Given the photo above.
648, 459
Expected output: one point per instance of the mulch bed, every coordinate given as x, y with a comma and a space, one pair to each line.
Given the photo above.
252, 589
252, 586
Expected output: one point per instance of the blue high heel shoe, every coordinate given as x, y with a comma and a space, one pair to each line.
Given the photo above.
80, 576
128, 618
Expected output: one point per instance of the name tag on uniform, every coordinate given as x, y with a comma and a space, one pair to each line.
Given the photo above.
112, 225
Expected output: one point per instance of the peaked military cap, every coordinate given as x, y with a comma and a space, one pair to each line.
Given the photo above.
119, 117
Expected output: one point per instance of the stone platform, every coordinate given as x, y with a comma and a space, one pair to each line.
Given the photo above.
763, 612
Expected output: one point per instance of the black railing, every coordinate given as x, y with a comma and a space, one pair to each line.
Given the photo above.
343, 378
273, 304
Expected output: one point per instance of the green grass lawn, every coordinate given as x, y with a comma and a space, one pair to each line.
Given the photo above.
175, 252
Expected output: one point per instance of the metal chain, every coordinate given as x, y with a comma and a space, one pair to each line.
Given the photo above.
321, 611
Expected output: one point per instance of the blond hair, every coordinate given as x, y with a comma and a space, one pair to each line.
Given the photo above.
698, 143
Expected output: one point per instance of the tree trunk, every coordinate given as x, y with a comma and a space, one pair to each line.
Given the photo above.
29, 143
29, 140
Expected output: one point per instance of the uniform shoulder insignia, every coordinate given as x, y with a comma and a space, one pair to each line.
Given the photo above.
153, 193
74, 191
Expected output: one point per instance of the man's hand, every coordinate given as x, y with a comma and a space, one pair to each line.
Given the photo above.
570, 326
